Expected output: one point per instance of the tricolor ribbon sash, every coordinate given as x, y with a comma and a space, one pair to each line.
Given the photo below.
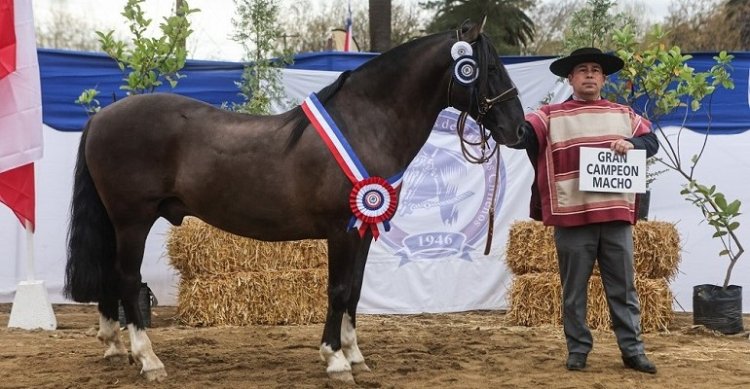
373, 200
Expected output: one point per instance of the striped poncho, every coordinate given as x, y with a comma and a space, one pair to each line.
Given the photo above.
561, 129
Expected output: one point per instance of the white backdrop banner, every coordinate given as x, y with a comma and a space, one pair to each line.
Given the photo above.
432, 260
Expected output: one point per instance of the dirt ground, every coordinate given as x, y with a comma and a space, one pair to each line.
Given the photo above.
459, 350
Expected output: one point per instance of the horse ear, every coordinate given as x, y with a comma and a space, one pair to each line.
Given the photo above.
471, 31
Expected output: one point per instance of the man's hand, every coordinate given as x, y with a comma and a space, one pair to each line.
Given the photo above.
621, 146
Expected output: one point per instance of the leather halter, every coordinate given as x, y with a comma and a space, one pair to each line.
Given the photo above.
484, 105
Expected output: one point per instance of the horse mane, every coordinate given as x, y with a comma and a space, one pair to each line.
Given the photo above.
485, 54
299, 119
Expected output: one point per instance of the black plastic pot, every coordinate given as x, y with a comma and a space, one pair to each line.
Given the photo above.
717, 308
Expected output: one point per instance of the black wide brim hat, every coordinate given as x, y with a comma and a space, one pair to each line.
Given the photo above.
563, 66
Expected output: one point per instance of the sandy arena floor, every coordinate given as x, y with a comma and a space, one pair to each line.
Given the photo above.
459, 350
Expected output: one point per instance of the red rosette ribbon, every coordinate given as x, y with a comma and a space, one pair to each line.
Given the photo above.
373, 202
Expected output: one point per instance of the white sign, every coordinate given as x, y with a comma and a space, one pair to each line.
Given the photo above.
603, 170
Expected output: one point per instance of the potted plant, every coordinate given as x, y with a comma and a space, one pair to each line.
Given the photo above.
657, 81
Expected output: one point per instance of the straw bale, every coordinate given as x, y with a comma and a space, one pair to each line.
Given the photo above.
656, 249
536, 299
656, 303
197, 249
249, 298
530, 248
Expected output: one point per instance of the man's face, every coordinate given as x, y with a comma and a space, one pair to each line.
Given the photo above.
587, 80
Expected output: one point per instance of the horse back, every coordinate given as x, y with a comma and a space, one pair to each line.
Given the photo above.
172, 156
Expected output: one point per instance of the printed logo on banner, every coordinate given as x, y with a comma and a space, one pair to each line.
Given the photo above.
444, 206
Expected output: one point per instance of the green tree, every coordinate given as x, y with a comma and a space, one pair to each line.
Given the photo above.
508, 25
257, 29
701, 26
592, 25
660, 76
148, 61
551, 20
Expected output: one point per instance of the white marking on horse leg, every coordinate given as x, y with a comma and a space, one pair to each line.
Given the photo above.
109, 334
151, 367
338, 367
349, 345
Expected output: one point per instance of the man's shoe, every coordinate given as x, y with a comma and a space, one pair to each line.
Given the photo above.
576, 361
640, 363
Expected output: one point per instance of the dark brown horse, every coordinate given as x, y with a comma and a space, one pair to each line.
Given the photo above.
270, 178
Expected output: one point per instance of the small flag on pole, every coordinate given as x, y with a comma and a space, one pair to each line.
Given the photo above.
20, 109
20, 145
348, 26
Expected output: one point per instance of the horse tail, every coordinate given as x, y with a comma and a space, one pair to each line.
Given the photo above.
91, 236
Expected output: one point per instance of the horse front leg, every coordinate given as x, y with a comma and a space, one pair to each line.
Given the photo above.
342, 249
130, 245
349, 320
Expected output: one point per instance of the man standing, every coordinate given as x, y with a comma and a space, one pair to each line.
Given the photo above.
588, 226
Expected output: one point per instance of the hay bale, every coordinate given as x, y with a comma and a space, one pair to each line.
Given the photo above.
536, 299
198, 249
249, 298
656, 249
530, 248
656, 303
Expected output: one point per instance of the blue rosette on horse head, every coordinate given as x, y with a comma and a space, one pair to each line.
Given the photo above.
272, 178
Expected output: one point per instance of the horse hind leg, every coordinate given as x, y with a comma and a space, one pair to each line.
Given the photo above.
109, 330
131, 241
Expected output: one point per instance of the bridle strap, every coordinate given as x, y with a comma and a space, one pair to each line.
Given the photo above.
484, 105
491, 221
465, 143
502, 97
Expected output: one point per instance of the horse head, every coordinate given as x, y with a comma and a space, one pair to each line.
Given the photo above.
491, 98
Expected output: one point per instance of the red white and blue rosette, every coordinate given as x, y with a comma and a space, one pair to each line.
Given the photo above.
373, 200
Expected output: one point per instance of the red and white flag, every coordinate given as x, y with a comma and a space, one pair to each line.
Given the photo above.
348, 26
20, 108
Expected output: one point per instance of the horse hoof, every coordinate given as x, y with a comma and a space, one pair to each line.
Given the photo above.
341, 376
360, 368
117, 359
154, 375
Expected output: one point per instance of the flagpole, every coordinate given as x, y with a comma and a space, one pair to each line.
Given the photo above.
31, 307
30, 273
348, 26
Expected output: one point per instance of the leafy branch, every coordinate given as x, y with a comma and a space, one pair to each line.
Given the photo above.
149, 61
657, 81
